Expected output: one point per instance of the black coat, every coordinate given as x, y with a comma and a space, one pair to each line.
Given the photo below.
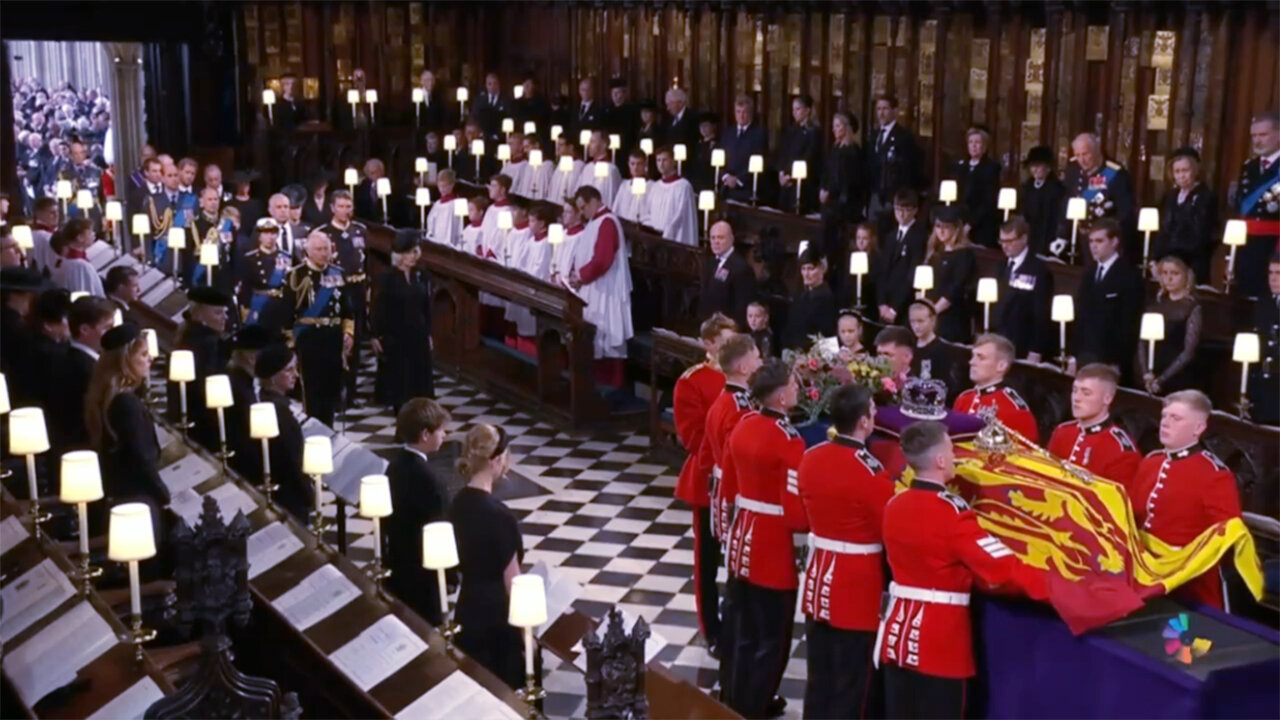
1264, 377
698, 166
683, 130
812, 312
1189, 228
489, 115
418, 497
1021, 310
207, 349
727, 290
955, 277
433, 116
368, 205
296, 493
289, 114
623, 120
1043, 207
402, 322
799, 143
898, 263
1108, 316
979, 189
842, 178
893, 163
67, 412
131, 453
738, 149
590, 119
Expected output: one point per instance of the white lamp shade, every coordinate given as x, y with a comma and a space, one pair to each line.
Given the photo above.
84, 199
420, 165
508, 125
1235, 233
717, 158
1246, 348
504, 152
646, 146
63, 189
555, 235
556, 132
517, 92
4, 384
477, 147
528, 601
1008, 199
615, 142
141, 224
81, 478
317, 455
565, 165
209, 254
182, 366
177, 238
422, 197
371, 96
460, 207
439, 547
114, 211
22, 236
1152, 327
418, 95
535, 158
584, 137
923, 279
451, 142
800, 170
505, 220
353, 96
384, 187
1077, 209
988, 290
350, 176
462, 95
601, 170
859, 263
217, 392
1148, 219
77, 294
375, 496
1063, 309
530, 127
755, 164
153, 344
679, 152
27, 432
947, 191
707, 200
263, 423
129, 534
268, 97
637, 186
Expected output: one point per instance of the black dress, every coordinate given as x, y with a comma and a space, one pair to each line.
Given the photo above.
1176, 364
1190, 228
297, 492
402, 322
1043, 208
979, 189
812, 312
955, 277
846, 199
488, 537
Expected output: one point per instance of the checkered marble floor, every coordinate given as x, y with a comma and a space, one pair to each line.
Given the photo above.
598, 508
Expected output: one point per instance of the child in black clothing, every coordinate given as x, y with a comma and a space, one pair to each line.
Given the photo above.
758, 325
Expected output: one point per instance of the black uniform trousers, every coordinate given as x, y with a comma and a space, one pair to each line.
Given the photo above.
762, 644
840, 673
706, 563
320, 360
351, 375
728, 632
911, 695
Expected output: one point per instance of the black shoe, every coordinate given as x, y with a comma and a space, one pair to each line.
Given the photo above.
776, 707
713, 649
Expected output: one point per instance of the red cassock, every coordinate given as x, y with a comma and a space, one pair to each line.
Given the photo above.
844, 490
722, 418
1011, 409
1103, 449
694, 393
764, 454
1178, 494
936, 551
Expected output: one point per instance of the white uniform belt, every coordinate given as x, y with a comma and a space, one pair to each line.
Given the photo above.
761, 508
715, 472
940, 597
845, 548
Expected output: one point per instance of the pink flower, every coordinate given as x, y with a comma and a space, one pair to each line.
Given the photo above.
888, 384
814, 394
814, 364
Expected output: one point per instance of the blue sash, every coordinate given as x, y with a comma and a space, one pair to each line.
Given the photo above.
198, 274
323, 295
1250, 202
1107, 174
258, 303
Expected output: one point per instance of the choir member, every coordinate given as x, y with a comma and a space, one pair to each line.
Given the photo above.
955, 274
931, 357
800, 141
402, 325
201, 333
627, 203
1024, 292
894, 158
1106, 187
740, 141
728, 282
418, 495
532, 256
1042, 199
672, 206
1188, 217
1092, 439
844, 490
443, 225
1108, 304
88, 319
849, 336
683, 127
490, 550
517, 167
978, 177
1176, 365
990, 362
562, 184
905, 242
936, 551
1264, 378
562, 261
71, 271
758, 327
10, 253
764, 453
1258, 202
499, 195
321, 324
1182, 489
603, 279
600, 173
473, 234
841, 191
813, 311
277, 371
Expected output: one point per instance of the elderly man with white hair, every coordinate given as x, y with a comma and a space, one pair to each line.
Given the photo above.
1106, 188
683, 127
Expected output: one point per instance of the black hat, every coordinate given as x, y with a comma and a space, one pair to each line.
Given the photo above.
271, 360
708, 117
297, 194
952, 214
1186, 152
208, 296
253, 337
120, 335
811, 256
1039, 155
244, 177
617, 83
404, 241
647, 104
52, 304
21, 279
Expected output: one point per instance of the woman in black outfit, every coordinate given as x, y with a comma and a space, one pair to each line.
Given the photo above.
1188, 217
978, 178
402, 326
489, 552
1176, 361
840, 193
315, 208
955, 275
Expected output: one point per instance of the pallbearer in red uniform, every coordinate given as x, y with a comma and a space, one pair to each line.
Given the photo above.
695, 391
936, 551
765, 453
1182, 489
739, 357
990, 363
1093, 440
844, 490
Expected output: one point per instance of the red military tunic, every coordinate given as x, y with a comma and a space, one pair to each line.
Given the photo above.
1011, 409
764, 453
696, 389
844, 490
936, 550
1178, 494
1103, 449
722, 418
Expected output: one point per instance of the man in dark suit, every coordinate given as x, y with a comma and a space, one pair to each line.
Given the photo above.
368, 204
1108, 305
89, 319
1264, 379
801, 140
290, 111
432, 112
740, 141
698, 167
532, 107
905, 239
149, 184
621, 118
588, 113
1024, 294
1258, 202
893, 157
683, 124
491, 108
418, 497
728, 283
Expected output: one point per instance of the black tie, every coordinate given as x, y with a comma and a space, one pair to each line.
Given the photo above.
1100, 274
902, 234
1012, 264
584, 111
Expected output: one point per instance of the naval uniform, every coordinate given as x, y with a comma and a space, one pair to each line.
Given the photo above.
1108, 193
203, 230
1264, 378
262, 289
349, 242
320, 314
1258, 202
1011, 409
1178, 494
1103, 448
844, 490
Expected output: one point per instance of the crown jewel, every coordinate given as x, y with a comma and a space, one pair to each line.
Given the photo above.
924, 398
